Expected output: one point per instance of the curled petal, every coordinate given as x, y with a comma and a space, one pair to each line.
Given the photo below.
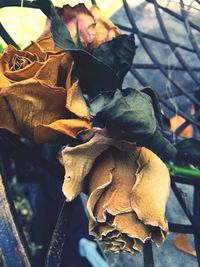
104, 28
151, 190
33, 103
69, 127
50, 75
78, 162
76, 102
7, 120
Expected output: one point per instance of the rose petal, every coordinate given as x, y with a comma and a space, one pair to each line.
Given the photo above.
116, 199
102, 168
49, 74
78, 162
7, 120
35, 48
76, 102
105, 30
47, 43
151, 190
129, 224
22, 74
33, 103
69, 127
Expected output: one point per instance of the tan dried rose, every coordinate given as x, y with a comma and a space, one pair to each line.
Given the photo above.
94, 29
128, 190
39, 97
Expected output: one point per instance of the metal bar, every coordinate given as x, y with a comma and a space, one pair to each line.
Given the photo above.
172, 47
12, 241
180, 228
148, 254
153, 57
188, 29
196, 215
168, 67
10, 3
154, 38
55, 252
6, 37
175, 15
162, 100
186, 180
187, 212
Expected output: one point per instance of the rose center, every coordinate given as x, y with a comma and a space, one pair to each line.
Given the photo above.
19, 62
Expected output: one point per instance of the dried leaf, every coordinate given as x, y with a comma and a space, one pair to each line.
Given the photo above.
182, 243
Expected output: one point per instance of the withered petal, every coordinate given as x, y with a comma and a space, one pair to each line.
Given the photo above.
116, 199
48, 73
69, 127
7, 120
78, 162
35, 48
103, 168
129, 224
33, 103
151, 190
25, 73
76, 102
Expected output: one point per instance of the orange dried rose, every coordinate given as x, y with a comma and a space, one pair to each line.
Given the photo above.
39, 98
128, 191
94, 29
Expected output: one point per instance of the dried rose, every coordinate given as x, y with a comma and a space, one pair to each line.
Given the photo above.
128, 191
38, 95
94, 29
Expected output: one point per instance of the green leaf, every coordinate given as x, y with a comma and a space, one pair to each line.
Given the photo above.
60, 33
118, 54
79, 43
189, 151
129, 114
163, 121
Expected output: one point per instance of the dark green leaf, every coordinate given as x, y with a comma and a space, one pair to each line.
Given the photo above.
118, 54
95, 76
79, 43
163, 121
129, 114
189, 151
60, 33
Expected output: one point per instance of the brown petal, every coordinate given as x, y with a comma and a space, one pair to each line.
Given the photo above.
49, 73
33, 103
69, 127
182, 243
129, 224
78, 162
116, 199
103, 168
151, 190
7, 120
22, 74
47, 43
76, 102
105, 30
35, 48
